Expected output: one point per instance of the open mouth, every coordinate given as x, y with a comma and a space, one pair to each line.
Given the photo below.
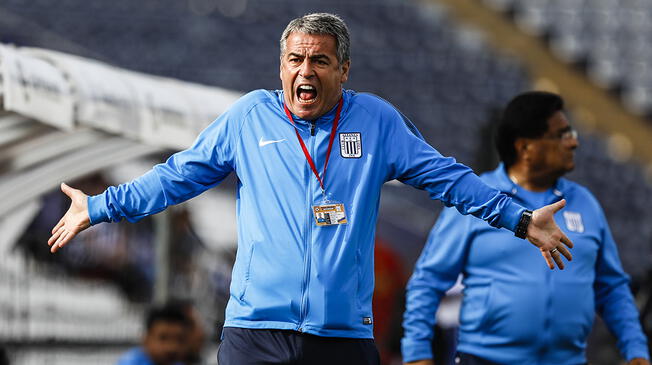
306, 94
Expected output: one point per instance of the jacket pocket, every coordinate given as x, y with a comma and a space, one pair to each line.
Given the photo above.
573, 312
247, 273
515, 313
475, 306
358, 278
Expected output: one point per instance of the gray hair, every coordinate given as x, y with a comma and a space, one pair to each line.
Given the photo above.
321, 23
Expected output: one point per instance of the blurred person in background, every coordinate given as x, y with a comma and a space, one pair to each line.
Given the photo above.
302, 282
196, 334
167, 329
514, 310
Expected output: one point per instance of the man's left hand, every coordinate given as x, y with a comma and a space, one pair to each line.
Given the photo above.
544, 233
638, 361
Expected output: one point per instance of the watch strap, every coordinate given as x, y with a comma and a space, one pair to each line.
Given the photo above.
523, 223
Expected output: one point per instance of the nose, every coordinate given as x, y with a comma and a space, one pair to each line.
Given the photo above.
570, 138
306, 70
573, 142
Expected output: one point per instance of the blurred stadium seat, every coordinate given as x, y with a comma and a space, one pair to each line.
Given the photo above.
603, 35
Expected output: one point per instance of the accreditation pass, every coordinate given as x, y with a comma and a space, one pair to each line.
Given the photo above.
329, 214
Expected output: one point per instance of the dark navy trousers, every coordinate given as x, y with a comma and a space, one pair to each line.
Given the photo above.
468, 359
243, 346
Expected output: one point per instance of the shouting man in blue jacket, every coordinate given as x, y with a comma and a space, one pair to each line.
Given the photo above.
310, 160
514, 310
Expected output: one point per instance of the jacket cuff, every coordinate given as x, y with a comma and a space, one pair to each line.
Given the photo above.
510, 215
414, 350
97, 209
638, 351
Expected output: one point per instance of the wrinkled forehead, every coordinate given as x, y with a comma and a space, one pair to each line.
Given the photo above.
303, 43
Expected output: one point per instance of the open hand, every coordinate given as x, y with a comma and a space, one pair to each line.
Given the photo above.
74, 221
544, 233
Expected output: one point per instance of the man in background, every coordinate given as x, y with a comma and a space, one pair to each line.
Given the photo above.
196, 335
165, 340
514, 310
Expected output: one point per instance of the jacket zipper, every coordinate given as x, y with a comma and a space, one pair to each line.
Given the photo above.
308, 236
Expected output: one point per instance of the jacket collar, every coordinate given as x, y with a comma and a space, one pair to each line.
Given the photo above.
501, 181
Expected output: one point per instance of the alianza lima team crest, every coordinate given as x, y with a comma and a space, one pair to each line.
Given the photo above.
574, 221
351, 145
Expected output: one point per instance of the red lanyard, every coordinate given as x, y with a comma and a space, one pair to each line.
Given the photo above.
330, 143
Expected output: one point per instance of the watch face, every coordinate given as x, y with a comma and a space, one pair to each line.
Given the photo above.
523, 223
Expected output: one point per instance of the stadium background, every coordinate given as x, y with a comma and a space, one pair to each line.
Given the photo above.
448, 65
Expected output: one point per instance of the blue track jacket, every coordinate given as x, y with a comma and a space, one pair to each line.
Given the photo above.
289, 273
135, 356
516, 310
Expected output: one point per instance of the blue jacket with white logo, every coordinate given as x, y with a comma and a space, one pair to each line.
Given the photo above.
515, 310
289, 273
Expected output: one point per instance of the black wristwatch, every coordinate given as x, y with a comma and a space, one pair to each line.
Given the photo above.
523, 223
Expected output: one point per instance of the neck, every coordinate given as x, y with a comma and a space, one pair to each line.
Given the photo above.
530, 179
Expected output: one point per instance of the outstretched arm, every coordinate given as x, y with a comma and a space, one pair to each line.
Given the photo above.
74, 221
544, 233
416, 163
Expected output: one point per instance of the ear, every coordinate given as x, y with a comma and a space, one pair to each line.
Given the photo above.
345, 71
520, 146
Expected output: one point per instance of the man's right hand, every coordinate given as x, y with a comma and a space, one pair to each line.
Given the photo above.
74, 221
421, 362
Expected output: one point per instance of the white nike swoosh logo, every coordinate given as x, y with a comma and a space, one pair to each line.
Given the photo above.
262, 142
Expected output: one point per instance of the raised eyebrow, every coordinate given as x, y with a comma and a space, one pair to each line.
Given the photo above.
319, 57
292, 54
